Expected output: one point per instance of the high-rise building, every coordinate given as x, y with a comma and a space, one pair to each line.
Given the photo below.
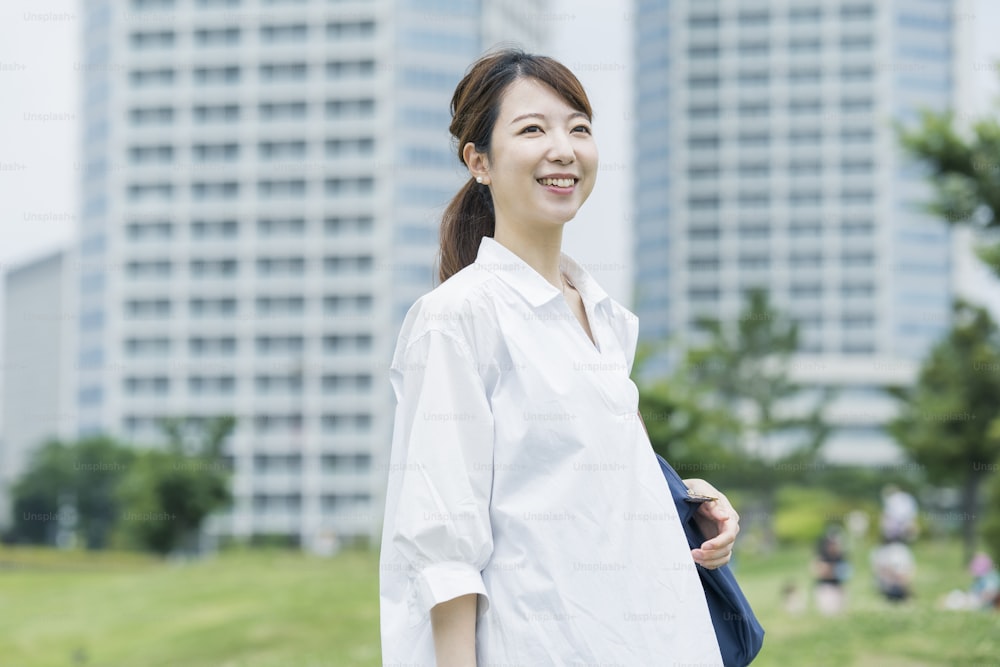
36, 388
262, 188
766, 157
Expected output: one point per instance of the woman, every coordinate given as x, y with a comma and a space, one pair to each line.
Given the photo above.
527, 521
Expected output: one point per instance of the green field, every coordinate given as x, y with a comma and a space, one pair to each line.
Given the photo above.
271, 609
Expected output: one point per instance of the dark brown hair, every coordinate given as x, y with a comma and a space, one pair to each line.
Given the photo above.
474, 110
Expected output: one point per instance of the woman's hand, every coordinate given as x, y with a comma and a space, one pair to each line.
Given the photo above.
718, 521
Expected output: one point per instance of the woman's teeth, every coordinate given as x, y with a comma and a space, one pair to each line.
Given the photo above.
558, 182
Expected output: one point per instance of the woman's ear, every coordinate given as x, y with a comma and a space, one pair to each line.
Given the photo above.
477, 163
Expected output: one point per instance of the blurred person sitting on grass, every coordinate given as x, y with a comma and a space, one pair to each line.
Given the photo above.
831, 569
894, 569
984, 594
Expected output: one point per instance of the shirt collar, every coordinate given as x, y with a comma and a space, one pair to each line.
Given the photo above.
536, 290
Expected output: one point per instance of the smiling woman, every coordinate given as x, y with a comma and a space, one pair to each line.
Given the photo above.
527, 521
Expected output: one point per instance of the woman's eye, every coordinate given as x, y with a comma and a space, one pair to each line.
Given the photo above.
582, 127
531, 129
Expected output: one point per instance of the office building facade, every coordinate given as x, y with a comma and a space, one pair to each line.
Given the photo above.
766, 158
262, 187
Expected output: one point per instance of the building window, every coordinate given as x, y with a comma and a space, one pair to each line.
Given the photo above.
223, 385
346, 343
805, 198
139, 192
856, 166
755, 48
857, 259
856, 135
853, 73
152, 348
213, 268
340, 30
274, 111
294, 33
225, 152
214, 229
217, 36
146, 386
281, 150
805, 106
804, 75
289, 227
140, 309
163, 154
278, 345
352, 69
214, 307
149, 269
216, 113
140, 116
359, 108
754, 139
805, 14
145, 78
704, 203
348, 305
352, 147
856, 11
337, 226
349, 186
703, 142
802, 45
281, 266
283, 72
154, 39
703, 21
805, 137
703, 82
271, 189
348, 264
223, 74
215, 190
702, 172
149, 231
224, 346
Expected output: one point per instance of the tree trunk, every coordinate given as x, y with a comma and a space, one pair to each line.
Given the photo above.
969, 517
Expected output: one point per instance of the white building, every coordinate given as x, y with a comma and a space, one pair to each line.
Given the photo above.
261, 197
765, 157
37, 383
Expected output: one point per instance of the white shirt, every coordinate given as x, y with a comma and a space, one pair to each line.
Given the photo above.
520, 471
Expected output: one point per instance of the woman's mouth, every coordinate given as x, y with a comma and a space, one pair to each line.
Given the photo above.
558, 185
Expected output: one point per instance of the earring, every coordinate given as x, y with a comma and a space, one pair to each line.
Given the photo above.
479, 179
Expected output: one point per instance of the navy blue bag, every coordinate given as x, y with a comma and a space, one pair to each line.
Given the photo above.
739, 633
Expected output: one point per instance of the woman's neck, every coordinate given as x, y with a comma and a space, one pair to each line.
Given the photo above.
539, 250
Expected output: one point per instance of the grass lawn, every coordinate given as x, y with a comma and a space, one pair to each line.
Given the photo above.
276, 609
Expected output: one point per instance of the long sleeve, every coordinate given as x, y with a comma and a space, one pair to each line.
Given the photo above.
441, 475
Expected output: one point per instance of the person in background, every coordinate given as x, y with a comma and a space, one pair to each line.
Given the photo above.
985, 591
894, 569
831, 569
899, 515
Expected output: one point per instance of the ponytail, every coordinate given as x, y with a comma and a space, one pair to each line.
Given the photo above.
468, 218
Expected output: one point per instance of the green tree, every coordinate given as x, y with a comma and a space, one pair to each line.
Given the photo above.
949, 421
71, 484
170, 491
964, 169
991, 520
683, 425
744, 370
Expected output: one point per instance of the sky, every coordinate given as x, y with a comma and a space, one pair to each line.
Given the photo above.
39, 88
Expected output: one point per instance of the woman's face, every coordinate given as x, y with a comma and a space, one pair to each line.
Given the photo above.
543, 159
